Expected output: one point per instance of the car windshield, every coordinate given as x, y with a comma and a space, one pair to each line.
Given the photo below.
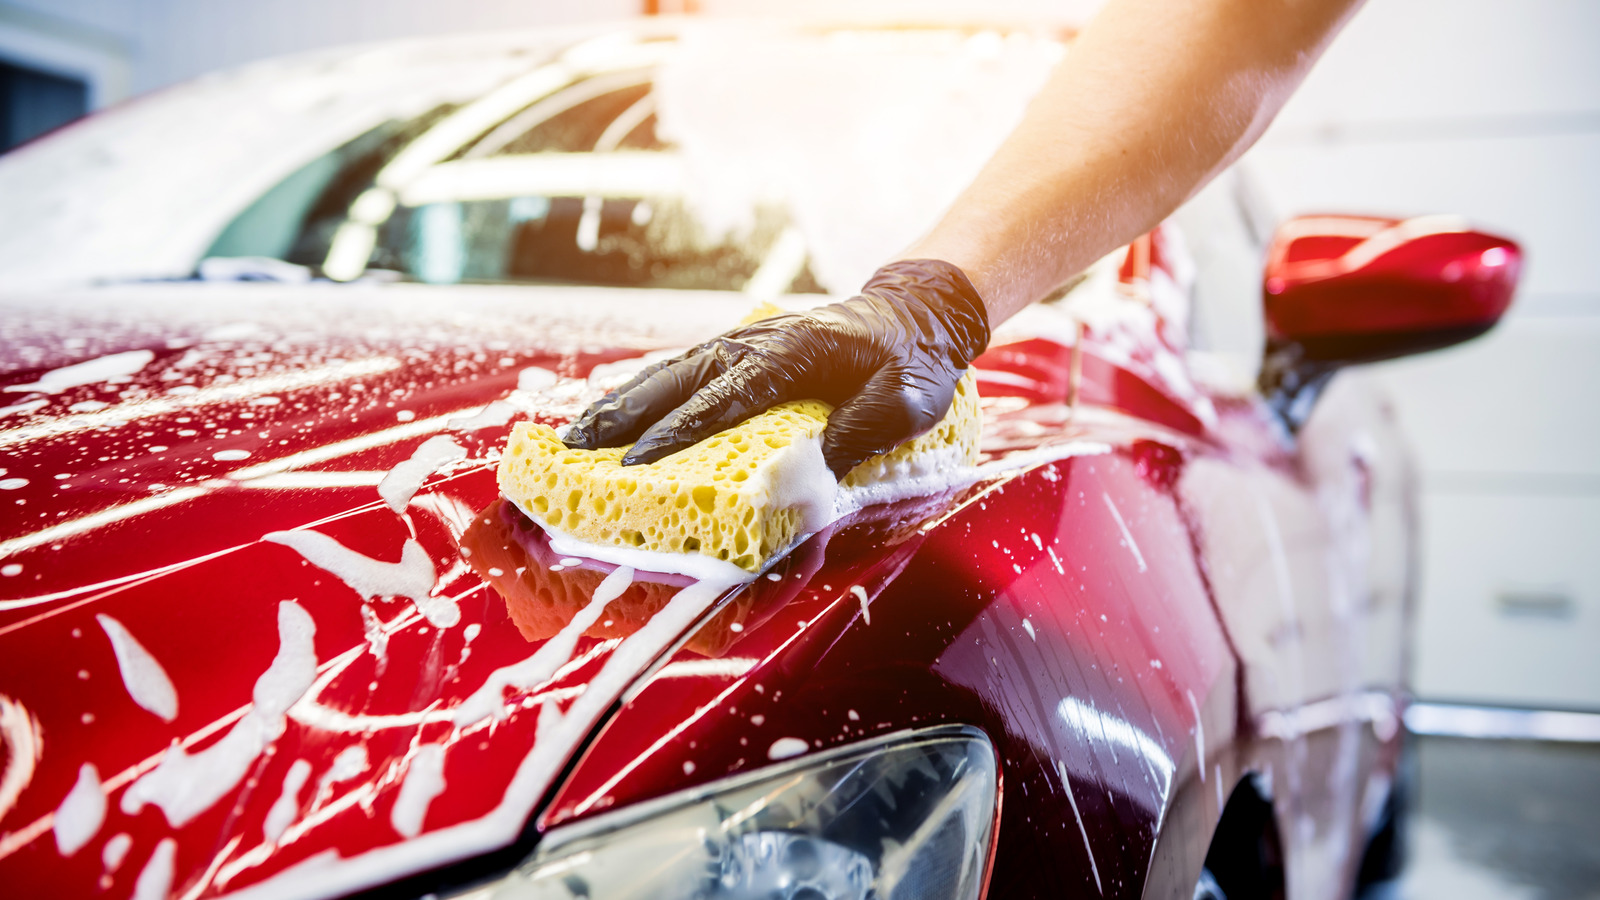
573, 187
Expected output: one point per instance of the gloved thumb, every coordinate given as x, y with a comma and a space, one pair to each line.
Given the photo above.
891, 408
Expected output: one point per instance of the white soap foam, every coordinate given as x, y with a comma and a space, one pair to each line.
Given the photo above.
377, 638
146, 681
614, 374
116, 367
24, 743
861, 594
489, 700
424, 781
186, 785
116, 850
155, 881
412, 577
80, 815
805, 482
693, 565
405, 479
23, 408
495, 415
350, 762
327, 874
283, 810
536, 378
787, 747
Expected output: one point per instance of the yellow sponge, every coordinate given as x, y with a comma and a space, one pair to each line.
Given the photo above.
740, 496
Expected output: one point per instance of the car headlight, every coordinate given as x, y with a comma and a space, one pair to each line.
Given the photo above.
907, 817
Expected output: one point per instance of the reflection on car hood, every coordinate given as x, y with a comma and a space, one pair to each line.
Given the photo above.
258, 611
222, 654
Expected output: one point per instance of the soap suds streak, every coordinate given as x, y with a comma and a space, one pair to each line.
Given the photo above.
117, 366
489, 700
80, 815
23, 408
145, 679
495, 415
24, 744
116, 850
405, 479
536, 378
377, 638
1066, 786
424, 781
155, 880
327, 874
1127, 536
122, 413
350, 762
925, 475
861, 595
692, 565
287, 805
185, 785
413, 577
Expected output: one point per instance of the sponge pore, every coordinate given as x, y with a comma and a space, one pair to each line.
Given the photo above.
742, 496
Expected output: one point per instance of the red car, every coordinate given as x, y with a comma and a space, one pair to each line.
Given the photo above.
267, 629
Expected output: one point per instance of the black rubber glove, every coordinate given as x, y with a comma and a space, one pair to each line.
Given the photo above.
888, 361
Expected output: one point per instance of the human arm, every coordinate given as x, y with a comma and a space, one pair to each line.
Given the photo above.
1151, 101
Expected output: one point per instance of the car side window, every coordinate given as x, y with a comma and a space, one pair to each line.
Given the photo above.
575, 188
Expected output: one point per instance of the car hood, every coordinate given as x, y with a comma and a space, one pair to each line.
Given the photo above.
260, 610
227, 646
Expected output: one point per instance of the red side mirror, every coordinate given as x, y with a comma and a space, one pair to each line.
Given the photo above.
1349, 289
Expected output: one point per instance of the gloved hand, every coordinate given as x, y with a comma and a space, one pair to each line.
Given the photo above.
888, 361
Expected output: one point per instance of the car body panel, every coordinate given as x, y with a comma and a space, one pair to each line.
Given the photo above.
971, 619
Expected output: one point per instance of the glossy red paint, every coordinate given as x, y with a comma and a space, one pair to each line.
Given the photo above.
1017, 605
1348, 276
1040, 372
152, 530
1072, 602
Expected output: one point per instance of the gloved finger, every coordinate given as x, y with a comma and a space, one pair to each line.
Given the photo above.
891, 408
750, 387
622, 415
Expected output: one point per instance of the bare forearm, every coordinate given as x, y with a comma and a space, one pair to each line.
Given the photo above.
1152, 100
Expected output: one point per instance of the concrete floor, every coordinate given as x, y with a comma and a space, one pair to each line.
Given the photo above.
1508, 820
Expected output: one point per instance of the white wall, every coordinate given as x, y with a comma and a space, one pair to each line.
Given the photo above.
1491, 109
